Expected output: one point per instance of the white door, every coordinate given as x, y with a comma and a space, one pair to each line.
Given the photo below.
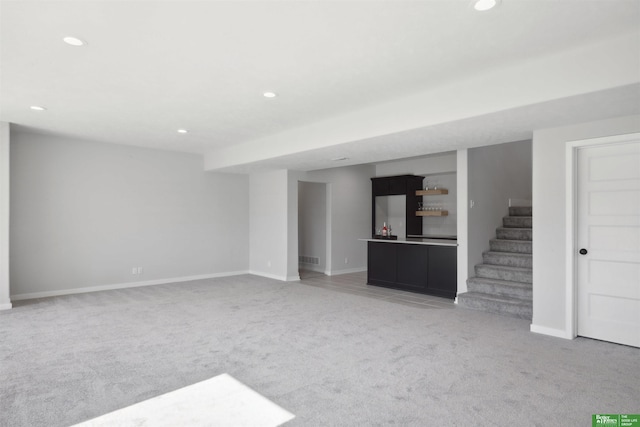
608, 220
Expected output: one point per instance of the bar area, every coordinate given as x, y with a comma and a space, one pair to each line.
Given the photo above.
405, 251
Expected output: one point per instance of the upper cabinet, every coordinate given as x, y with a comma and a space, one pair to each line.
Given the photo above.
394, 185
402, 185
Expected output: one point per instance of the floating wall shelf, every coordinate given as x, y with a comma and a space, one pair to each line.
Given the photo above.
431, 192
432, 213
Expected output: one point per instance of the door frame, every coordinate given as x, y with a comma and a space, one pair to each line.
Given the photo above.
571, 191
328, 211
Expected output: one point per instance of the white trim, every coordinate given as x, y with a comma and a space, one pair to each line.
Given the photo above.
570, 200
123, 285
5, 306
345, 271
269, 275
558, 333
275, 276
571, 186
311, 267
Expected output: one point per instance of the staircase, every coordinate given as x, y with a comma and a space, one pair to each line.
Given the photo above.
503, 281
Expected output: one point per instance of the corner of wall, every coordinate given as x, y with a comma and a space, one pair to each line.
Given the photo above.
462, 183
5, 298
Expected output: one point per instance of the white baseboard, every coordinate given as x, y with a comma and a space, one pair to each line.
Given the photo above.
558, 333
345, 271
5, 306
311, 267
275, 276
269, 275
46, 294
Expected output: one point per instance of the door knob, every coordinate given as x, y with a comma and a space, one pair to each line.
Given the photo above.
583, 251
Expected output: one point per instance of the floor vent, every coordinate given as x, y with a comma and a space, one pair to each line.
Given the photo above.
314, 260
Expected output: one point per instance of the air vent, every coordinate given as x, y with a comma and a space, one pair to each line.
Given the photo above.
314, 260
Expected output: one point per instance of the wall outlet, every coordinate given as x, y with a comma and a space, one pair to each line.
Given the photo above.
134, 270
139, 270
346, 260
269, 264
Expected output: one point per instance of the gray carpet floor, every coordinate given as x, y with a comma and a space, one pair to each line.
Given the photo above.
331, 358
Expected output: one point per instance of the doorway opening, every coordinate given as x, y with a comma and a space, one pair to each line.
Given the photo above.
313, 229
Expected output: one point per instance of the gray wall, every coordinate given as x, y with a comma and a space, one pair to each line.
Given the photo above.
442, 225
549, 217
496, 174
269, 224
312, 223
84, 213
350, 199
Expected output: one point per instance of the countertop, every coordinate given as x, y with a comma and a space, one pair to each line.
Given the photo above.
416, 241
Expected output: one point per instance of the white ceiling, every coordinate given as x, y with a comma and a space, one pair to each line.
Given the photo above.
152, 67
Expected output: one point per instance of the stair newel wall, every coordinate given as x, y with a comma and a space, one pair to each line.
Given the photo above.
496, 174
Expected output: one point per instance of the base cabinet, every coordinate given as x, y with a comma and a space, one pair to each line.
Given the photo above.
379, 266
425, 269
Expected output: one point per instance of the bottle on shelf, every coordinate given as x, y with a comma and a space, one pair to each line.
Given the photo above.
384, 229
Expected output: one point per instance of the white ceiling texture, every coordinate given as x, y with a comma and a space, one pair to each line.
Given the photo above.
367, 80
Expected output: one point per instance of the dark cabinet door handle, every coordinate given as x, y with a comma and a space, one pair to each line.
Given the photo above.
583, 251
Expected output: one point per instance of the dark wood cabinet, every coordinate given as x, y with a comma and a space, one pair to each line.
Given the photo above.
380, 264
425, 269
411, 268
398, 185
381, 186
442, 271
406, 185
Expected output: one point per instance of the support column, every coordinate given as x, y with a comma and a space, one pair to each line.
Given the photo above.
5, 300
462, 225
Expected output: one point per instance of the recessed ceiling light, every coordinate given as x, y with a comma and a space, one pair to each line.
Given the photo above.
483, 5
269, 94
183, 131
37, 108
339, 159
73, 41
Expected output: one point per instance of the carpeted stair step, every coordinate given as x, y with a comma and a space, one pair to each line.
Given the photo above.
497, 287
496, 304
508, 259
517, 222
514, 233
520, 211
517, 246
500, 272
